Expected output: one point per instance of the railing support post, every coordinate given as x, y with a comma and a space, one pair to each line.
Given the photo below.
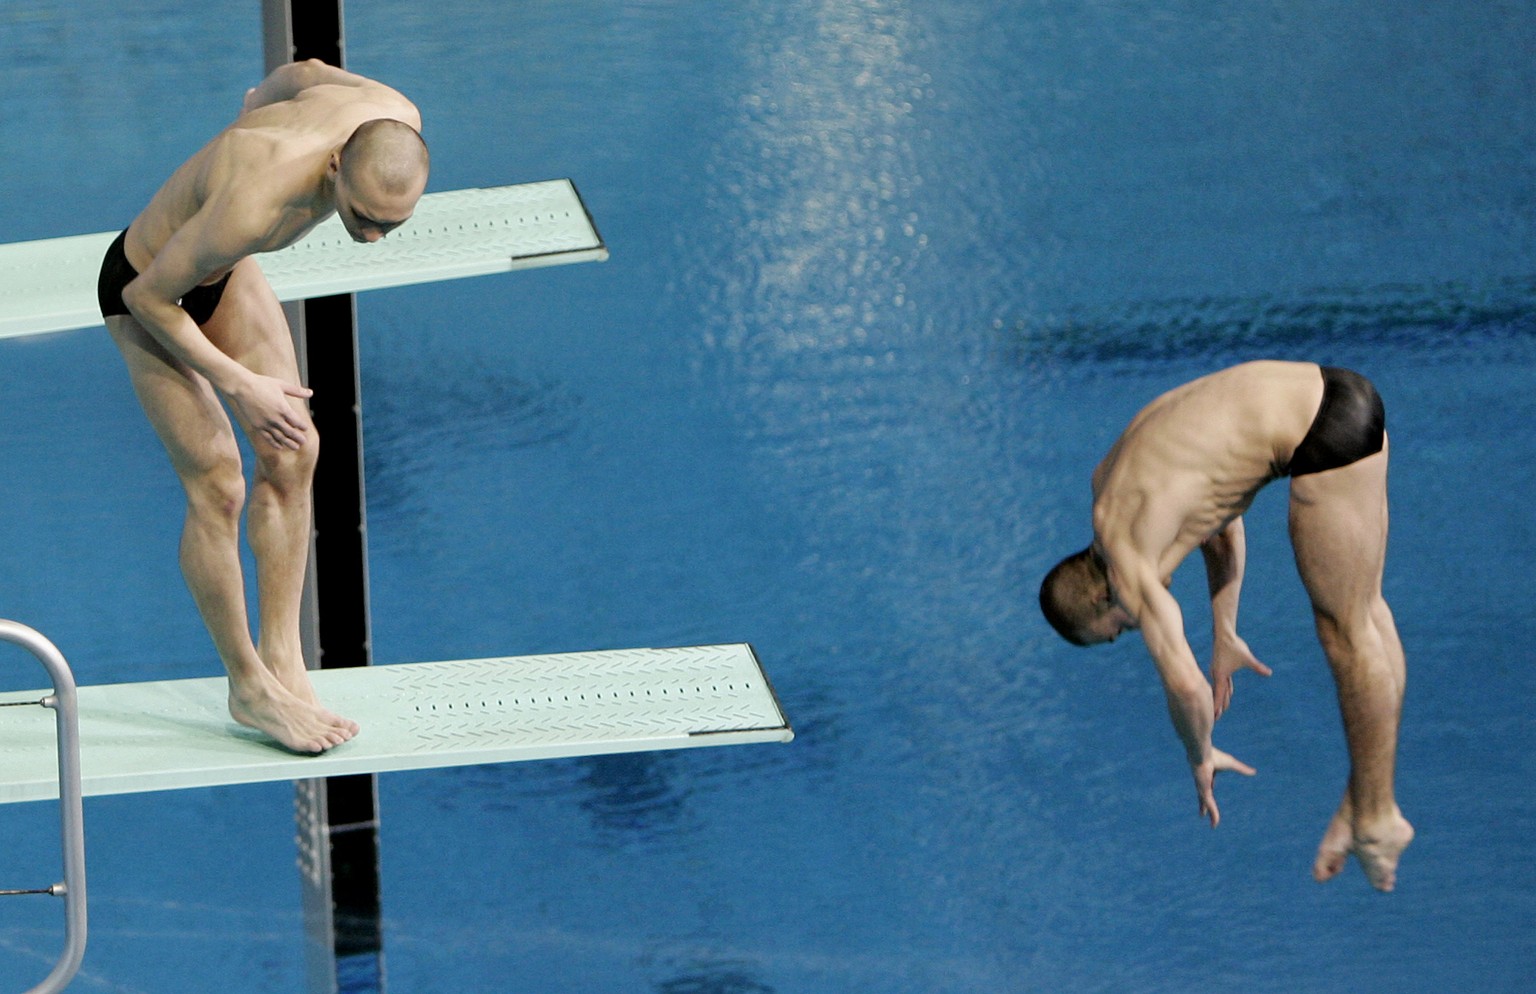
71, 810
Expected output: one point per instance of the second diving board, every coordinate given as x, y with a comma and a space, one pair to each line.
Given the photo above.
50, 284
177, 734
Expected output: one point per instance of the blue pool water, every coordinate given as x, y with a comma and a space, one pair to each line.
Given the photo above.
887, 277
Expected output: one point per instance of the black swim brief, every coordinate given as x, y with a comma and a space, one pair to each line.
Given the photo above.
1351, 423
117, 272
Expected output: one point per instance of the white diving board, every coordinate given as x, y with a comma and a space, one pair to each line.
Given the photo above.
49, 284
174, 734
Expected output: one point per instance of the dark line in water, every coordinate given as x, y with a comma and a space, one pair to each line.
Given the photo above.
1421, 316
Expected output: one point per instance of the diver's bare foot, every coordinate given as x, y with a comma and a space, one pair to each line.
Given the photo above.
288, 667
1333, 853
295, 723
1377, 847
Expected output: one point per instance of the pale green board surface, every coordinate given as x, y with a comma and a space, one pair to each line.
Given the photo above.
49, 284
177, 734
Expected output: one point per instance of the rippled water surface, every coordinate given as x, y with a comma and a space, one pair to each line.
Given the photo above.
887, 278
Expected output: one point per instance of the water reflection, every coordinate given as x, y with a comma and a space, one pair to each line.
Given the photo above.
635, 797
629, 799
845, 316
724, 978
818, 177
1219, 330
423, 416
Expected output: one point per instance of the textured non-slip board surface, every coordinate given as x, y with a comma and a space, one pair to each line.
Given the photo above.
50, 284
176, 734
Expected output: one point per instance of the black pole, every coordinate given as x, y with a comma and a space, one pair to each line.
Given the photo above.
337, 816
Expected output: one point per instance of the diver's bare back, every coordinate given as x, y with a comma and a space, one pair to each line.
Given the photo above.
256, 187
1194, 458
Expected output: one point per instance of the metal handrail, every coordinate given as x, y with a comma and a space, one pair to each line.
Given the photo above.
71, 814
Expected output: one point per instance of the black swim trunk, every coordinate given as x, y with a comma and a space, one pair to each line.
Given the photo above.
116, 273
1351, 424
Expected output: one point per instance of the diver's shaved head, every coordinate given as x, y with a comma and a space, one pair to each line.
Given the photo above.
1073, 594
386, 155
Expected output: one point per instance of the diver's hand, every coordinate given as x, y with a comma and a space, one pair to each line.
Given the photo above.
1227, 657
1205, 781
264, 405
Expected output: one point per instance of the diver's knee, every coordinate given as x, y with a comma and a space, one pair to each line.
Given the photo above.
217, 492
292, 470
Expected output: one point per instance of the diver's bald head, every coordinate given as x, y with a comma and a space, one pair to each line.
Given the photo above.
387, 157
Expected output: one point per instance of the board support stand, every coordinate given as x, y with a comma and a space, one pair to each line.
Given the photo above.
337, 817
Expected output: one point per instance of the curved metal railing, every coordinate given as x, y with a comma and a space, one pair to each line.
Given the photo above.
71, 816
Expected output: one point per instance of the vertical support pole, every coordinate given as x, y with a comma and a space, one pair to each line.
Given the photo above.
337, 817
